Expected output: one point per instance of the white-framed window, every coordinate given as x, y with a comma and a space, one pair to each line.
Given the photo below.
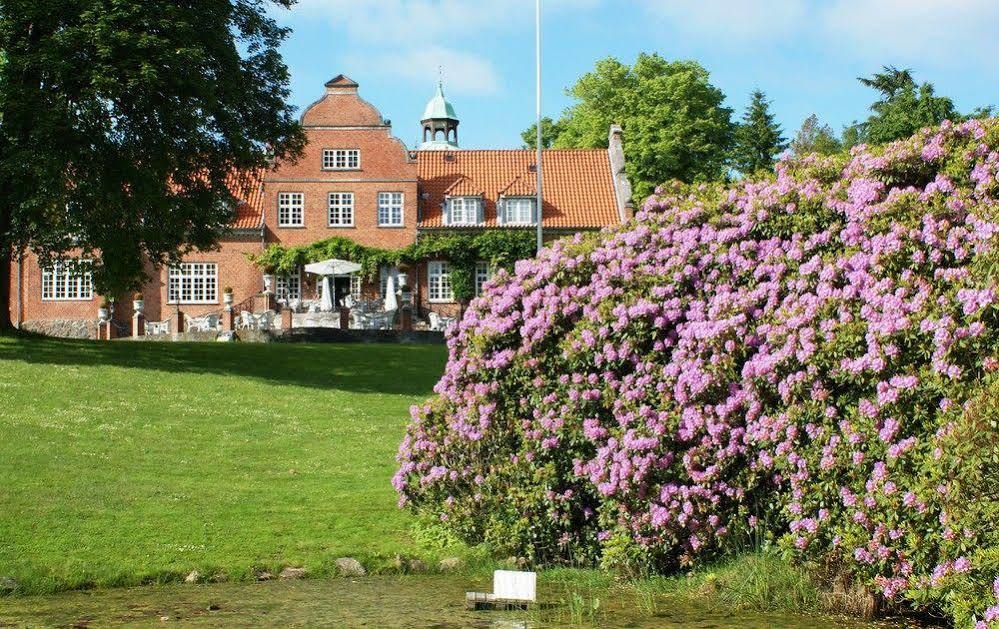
390, 209
518, 211
483, 273
341, 159
383, 274
439, 282
291, 209
193, 283
288, 287
356, 286
464, 211
341, 209
67, 280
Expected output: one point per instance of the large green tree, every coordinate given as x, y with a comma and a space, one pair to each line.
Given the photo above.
815, 137
122, 119
759, 139
549, 131
905, 107
675, 124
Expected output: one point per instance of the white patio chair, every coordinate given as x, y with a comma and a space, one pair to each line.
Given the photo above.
445, 323
193, 324
156, 328
212, 322
435, 321
265, 320
246, 320
388, 320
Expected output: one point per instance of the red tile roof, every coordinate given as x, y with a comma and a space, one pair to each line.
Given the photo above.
248, 188
464, 187
578, 186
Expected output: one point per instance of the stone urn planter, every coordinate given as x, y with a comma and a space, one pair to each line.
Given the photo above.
137, 303
227, 298
103, 313
268, 282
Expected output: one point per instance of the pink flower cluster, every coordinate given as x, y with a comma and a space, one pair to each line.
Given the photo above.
783, 354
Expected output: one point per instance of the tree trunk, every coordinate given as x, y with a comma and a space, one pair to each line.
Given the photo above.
5, 289
11, 183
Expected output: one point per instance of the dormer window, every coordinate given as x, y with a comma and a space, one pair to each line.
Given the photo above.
341, 159
518, 211
463, 211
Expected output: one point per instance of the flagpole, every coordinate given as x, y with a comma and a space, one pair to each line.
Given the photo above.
540, 204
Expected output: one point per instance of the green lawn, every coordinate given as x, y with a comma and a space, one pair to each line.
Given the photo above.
131, 463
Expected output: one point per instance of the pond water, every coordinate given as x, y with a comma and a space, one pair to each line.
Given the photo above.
418, 601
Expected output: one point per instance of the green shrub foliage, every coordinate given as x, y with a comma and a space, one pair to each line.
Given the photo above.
795, 360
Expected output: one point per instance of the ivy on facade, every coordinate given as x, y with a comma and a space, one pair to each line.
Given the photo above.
498, 247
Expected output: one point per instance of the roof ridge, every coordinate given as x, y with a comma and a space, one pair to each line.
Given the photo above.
529, 151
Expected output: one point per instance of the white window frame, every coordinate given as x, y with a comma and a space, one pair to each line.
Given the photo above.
193, 283
391, 209
464, 210
341, 159
518, 202
288, 287
483, 273
356, 285
63, 280
340, 209
291, 209
439, 289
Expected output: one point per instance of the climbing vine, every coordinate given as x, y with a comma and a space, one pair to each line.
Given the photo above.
498, 247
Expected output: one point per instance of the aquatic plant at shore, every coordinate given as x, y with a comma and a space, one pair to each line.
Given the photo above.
791, 359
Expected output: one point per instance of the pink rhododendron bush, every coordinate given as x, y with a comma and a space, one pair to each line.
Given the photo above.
791, 362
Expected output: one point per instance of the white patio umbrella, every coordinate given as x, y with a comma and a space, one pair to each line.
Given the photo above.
326, 301
391, 302
333, 267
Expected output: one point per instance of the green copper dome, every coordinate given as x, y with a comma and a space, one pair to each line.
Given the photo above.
438, 108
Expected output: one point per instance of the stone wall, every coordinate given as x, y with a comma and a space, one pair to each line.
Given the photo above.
64, 328
245, 336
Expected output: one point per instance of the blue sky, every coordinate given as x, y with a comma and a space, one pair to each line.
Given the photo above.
805, 54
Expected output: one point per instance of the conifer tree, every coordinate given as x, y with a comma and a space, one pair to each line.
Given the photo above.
759, 138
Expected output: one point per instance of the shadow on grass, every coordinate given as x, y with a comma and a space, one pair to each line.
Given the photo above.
392, 369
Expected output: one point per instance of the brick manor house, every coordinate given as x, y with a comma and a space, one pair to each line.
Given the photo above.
355, 180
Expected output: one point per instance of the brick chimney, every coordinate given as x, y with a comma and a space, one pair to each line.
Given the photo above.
622, 187
341, 84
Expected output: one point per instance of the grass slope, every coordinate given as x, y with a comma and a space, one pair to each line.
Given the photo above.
133, 463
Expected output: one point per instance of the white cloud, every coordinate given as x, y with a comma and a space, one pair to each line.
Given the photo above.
919, 33
464, 72
915, 32
410, 39
738, 20
430, 20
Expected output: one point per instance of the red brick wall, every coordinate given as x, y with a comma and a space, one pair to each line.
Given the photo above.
341, 119
385, 166
234, 270
32, 306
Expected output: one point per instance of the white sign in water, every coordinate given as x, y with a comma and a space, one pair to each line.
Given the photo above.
515, 586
